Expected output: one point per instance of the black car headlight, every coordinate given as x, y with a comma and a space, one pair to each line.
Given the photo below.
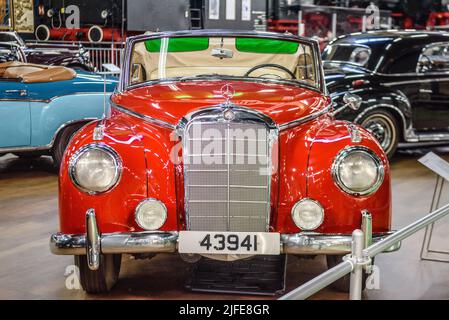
358, 171
95, 168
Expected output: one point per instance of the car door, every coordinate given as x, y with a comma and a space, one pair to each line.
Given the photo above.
15, 119
431, 112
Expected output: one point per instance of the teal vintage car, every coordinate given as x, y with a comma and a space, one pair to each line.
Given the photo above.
41, 107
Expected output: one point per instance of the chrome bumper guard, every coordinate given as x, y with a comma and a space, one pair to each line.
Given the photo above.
166, 242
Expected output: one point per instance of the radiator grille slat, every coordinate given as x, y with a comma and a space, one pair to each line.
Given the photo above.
226, 185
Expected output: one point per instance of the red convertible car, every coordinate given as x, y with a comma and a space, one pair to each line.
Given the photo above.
220, 145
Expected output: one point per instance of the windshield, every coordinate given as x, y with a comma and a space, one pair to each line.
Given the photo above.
197, 57
357, 55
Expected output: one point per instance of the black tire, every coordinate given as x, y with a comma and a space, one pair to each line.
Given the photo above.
384, 127
342, 284
103, 279
61, 143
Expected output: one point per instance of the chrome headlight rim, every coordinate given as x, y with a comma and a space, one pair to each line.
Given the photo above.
342, 156
96, 146
144, 201
301, 202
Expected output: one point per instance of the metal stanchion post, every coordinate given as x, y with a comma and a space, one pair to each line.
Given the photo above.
334, 25
355, 289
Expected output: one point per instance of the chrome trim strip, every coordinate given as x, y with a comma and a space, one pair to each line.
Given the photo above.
398, 83
305, 119
433, 137
346, 152
144, 117
93, 241
53, 98
166, 242
23, 100
108, 150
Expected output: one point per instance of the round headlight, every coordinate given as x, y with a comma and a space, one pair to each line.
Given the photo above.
151, 214
95, 168
308, 214
358, 171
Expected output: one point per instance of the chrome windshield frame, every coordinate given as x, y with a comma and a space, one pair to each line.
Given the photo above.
131, 41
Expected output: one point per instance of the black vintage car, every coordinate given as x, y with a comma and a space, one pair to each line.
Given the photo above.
403, 79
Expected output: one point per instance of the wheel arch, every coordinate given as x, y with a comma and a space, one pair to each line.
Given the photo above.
394, 110
66, 125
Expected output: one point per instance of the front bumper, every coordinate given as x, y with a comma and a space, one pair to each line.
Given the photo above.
160, 242
92, 243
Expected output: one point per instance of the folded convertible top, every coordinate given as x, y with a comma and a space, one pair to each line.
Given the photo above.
33, 73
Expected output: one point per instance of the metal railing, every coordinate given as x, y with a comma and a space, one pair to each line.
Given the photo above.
100, 56
360, 258
100, 53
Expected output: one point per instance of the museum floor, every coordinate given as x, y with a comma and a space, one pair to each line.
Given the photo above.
28, 215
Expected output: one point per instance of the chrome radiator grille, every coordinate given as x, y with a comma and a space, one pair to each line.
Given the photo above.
227, 185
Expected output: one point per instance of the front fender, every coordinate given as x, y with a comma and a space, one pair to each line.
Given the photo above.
343, 211
115, 208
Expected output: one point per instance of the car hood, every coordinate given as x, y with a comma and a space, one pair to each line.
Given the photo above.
170, 102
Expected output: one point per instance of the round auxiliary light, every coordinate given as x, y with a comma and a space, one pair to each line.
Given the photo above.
308, 214
95, 168
151, 214
358, 171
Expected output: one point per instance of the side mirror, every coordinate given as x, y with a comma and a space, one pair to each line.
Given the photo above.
352, 101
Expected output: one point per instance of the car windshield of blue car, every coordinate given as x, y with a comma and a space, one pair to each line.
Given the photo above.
353, 54
181, 58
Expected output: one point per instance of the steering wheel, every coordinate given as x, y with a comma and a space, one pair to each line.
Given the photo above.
270, 65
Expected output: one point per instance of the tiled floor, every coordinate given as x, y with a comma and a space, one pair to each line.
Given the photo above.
28, 215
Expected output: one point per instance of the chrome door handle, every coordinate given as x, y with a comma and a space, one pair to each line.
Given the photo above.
425, 91
21, 93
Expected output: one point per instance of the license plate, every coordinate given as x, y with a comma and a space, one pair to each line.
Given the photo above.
229, 242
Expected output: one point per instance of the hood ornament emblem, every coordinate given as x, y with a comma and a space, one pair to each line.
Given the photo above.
228, 92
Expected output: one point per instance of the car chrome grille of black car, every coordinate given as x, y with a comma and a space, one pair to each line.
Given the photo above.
227, 185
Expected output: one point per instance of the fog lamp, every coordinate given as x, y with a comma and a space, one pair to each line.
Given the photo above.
151, 214
308, 214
